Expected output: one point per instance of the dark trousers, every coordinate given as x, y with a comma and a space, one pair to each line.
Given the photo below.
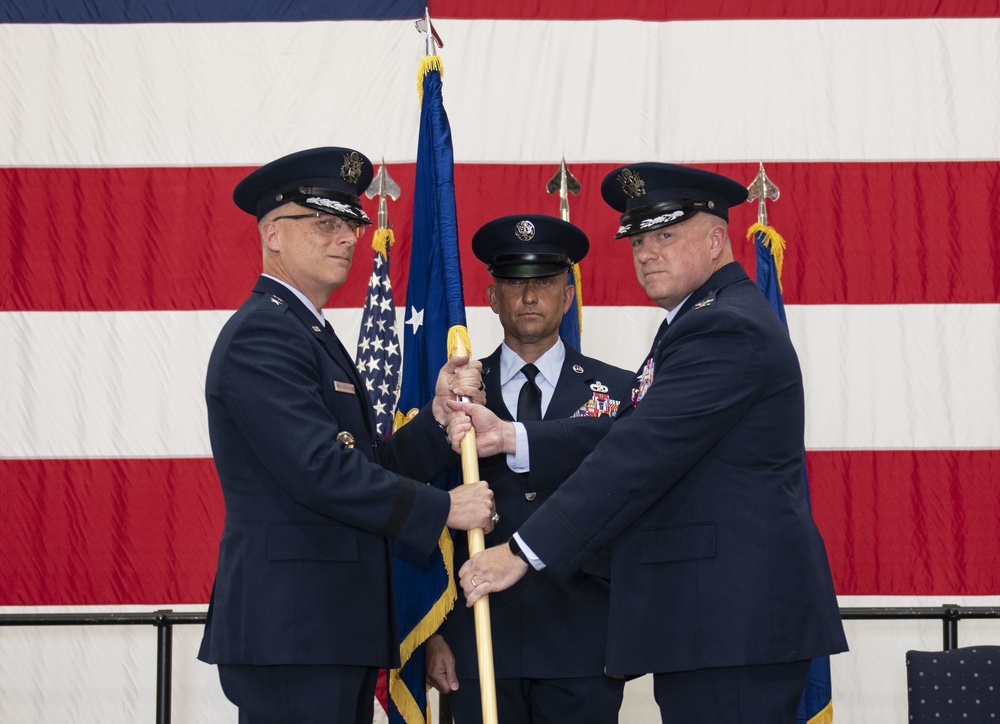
581, 700
767, 694
301, 694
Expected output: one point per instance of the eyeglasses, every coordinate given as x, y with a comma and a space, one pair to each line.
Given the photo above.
328, 223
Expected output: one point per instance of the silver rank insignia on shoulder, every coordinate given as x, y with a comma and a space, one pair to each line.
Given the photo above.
578, 369
346, 439
599, 404
277, 300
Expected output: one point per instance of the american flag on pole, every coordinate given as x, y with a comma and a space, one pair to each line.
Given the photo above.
379, 355
125, 124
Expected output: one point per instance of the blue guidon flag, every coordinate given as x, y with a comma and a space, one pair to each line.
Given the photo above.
434, 320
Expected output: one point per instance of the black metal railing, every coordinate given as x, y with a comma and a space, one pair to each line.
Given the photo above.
949, 614
165, 620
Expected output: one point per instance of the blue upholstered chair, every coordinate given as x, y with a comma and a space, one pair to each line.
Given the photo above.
960, 686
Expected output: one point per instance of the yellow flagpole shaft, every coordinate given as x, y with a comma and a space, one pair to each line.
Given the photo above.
481, 609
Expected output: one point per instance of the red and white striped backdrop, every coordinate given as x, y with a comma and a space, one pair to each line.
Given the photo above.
122, 255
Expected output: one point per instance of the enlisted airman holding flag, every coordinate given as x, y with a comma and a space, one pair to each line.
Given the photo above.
550, 638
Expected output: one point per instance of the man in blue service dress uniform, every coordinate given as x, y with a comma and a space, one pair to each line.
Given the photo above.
549, 635
720, 584
301, 615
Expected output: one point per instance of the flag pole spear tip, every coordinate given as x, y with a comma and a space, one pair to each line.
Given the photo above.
563, 183
762, 189
383, 186
432, 41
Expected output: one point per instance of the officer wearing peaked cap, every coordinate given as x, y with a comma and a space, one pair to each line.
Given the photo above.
301, 616
653, 195
330, 180
697, 487
549, 637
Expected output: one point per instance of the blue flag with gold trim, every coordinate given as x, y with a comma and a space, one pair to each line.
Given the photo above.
434, 317
816, 704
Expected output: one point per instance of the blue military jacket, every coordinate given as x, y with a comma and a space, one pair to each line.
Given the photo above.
716, 560
311, 496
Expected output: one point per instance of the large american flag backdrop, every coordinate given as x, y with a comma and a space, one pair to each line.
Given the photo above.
125, 125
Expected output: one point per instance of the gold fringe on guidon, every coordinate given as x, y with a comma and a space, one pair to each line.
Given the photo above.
382, 241
773, 241
825, 716
398, 691
429, 63
401, 695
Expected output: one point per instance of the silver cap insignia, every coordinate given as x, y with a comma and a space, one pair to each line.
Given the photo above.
525, 230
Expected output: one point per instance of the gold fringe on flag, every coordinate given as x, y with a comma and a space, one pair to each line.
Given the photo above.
773, 241
400, 693
382, 241
428, 625
825, 716
429, 63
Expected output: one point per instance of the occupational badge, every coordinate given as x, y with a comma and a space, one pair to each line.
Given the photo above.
600, 403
